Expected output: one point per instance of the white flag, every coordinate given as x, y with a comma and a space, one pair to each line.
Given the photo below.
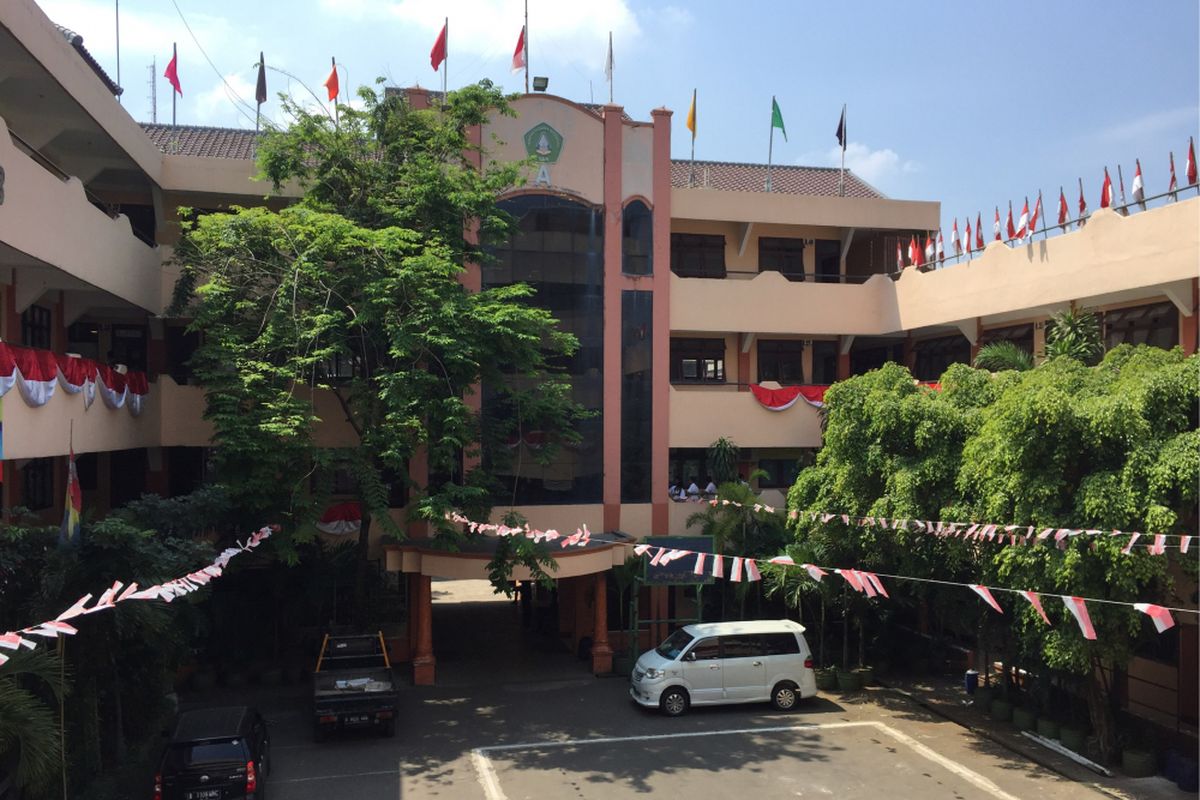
608, 63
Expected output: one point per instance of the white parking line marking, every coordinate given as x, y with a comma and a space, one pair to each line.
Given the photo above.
490, 781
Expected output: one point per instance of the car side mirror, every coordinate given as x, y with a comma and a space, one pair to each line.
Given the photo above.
690, 656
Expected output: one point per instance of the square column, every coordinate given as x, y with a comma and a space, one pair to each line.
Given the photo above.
424, 663
602, 654
613, 133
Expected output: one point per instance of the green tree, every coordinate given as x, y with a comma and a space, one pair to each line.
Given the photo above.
29, 734
1003, 355
355, 294
1062, 445
1074, 333
722, 459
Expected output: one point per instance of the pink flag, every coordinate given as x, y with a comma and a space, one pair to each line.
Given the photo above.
641, 549
752, 573
658, 557
1184, 542
814, 572
1160, 545
76, 609
735, 571
1078, 610
986, 594
718, 566
1036, 602
1161, 616
851, 579
878, 584
786, 560
868, 587
1132, 538
699, 568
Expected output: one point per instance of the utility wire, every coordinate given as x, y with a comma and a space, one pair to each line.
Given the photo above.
241, 105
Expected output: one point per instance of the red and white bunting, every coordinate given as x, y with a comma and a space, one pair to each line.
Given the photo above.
1078, 609
752, 573
1161, 616
38, 373
986, 594
735, 571
699, 568
1036, 602
718, 567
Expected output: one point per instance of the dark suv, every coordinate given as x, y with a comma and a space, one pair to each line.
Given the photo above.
215, 754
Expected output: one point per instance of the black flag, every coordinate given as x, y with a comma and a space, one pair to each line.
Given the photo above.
260, 91
841, 131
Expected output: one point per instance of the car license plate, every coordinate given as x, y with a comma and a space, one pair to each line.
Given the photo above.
358, 719
204, 794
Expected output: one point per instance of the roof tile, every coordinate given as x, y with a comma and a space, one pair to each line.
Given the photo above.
197, 140
785, 179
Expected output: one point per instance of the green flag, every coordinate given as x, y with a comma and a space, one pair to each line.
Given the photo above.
777, 118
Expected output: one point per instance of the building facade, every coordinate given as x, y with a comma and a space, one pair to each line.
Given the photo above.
686, 283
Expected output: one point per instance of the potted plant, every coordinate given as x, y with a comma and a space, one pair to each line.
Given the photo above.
1138, 762
1047, 728
848, 680
1001, 709
826, 679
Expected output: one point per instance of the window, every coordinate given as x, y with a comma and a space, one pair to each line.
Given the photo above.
749, 646
829, 260
637, 337
825, 362
35, 327
781, 360
129, 346
674, 644
869, 357
781, 472
83, 338
780, 644
1156, 325
705, 650
697, 360
38, 477
1020, 335
695, 255
637, 239
782, 255
933, 356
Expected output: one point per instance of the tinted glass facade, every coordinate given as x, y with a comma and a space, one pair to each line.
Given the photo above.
558, 250
637, 239
637, 312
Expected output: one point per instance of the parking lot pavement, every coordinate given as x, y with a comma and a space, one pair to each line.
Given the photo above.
583, 738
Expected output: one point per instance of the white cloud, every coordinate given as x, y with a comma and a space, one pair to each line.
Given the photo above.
218, 106
1139, 130
873, 166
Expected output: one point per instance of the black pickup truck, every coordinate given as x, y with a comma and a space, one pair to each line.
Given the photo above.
353, 686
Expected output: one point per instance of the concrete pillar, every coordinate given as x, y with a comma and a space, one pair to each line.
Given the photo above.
744, 378
424, 663
1189, 329
602, 654
660, 389
613, 137
843, 369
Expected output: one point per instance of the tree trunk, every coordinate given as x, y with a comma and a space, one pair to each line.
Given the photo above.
360, 571
845, 631
1101, 715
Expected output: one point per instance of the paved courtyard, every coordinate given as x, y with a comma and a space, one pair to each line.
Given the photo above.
509, 719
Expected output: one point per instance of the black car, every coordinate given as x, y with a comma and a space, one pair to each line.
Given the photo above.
215, 754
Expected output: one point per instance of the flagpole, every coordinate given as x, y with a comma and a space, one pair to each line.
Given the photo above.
770, 146
610, 68
692, 176
446, 60
1082, 216
336, 122
1124, 205
175, 60
118, 15
842, 173
527, 46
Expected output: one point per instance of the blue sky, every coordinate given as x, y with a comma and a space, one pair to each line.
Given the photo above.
973, 104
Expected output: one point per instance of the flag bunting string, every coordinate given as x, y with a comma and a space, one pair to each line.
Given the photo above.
120, 592
862, 581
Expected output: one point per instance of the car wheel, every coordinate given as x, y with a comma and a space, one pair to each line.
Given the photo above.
674, 701
785, 696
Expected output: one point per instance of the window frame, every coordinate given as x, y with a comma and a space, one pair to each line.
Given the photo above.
703, 246
37, 327
777, 350
775, 251
701, 351
642, 220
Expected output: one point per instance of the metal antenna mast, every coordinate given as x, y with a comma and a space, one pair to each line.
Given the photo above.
153, 90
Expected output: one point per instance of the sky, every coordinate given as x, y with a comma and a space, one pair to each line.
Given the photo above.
967, 103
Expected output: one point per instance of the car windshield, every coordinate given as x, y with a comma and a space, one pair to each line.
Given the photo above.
675, 644
183, 756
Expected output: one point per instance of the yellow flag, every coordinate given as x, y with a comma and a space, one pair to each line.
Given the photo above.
691, 117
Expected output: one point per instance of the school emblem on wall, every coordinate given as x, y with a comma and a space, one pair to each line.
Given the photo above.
543, 143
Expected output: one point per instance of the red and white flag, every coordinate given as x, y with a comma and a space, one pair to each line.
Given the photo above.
1023, 223
996, 225
519, 61
1174, 183
958, 248
1161, 616
986, 594
979, 232
1079, 611
1012, 231
1190, 172
941, 247
1106, 191
899, 255
1037, 212
1082, 204
1036, 602
912, 249
930, 252
1063, 213
1139, 189
967, 238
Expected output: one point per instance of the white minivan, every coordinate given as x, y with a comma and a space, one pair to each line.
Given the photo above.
714, 663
